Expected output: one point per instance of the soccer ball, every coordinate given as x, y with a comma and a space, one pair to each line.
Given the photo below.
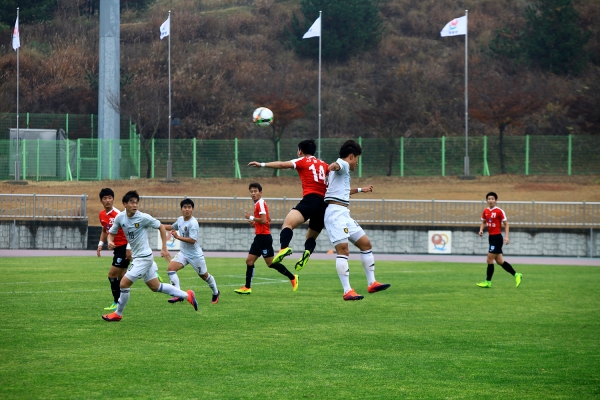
262, 117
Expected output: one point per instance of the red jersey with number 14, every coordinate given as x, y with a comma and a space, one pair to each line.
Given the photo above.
260, 209
494, 218
313, 175
107, 220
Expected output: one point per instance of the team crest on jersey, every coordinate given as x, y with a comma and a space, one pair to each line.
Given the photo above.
345, 230
185, 229
137, 225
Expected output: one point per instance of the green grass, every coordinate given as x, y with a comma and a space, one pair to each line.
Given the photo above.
432, 335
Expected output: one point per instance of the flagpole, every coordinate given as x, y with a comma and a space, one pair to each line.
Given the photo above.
320, 36
169, 164
17, 162
467, 169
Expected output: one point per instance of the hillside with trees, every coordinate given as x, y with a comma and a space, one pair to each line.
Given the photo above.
386, 72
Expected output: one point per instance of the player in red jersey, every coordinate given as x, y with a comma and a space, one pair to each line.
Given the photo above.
493, 217
313, 175
263, 241
121, 253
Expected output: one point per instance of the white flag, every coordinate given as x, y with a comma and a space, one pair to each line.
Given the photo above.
16, 39
165, 28
314, 31
457, 26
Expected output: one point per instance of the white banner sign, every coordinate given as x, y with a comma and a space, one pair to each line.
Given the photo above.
440, 242
172, 243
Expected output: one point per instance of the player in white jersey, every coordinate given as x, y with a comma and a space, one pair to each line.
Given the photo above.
134, 224
341, 228
191, 252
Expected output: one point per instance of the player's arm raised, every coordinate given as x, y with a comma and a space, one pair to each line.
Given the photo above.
366, 189
334, 166
272, 164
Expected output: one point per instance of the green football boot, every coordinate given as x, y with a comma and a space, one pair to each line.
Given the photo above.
518, 279
282, 254
303, 261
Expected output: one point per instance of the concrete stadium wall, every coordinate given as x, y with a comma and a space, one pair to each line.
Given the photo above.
414, 240
43, 234
27, 234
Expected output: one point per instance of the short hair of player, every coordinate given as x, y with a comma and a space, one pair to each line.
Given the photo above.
491, 194
255, 185
132, 194
107, 192
308, 146
186, 201
350, 147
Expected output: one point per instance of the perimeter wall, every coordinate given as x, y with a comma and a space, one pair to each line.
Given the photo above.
76, 235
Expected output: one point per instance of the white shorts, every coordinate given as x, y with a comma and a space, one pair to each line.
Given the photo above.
340, 226
198, 263
142, 268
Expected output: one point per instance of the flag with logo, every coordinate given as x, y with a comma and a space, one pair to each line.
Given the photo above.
314, 31
457, 26
16, 40
165, 28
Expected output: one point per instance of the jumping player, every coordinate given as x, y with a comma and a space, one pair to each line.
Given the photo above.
263, 241
494, 217
191, 252
134, 224
312, 172
342, 228
121, 253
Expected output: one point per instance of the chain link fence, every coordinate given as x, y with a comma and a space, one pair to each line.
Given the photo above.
76, 153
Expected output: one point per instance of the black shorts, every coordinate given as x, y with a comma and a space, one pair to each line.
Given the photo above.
312, 207
496, 242
120, 259
262, 246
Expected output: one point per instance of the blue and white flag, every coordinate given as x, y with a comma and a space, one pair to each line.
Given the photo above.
16, 40
165, 28
457, 26
314, 31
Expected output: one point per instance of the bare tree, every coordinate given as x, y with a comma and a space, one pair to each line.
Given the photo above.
145, 104
286, 108
501, 100
397, 103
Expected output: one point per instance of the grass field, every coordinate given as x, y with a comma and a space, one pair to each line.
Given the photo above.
432, 335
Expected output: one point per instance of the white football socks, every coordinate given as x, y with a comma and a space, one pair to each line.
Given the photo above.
172, 290
123, 299
341, 264
368, 262
212, 284
174, 278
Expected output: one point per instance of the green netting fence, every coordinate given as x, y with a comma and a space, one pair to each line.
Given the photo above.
78, 154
